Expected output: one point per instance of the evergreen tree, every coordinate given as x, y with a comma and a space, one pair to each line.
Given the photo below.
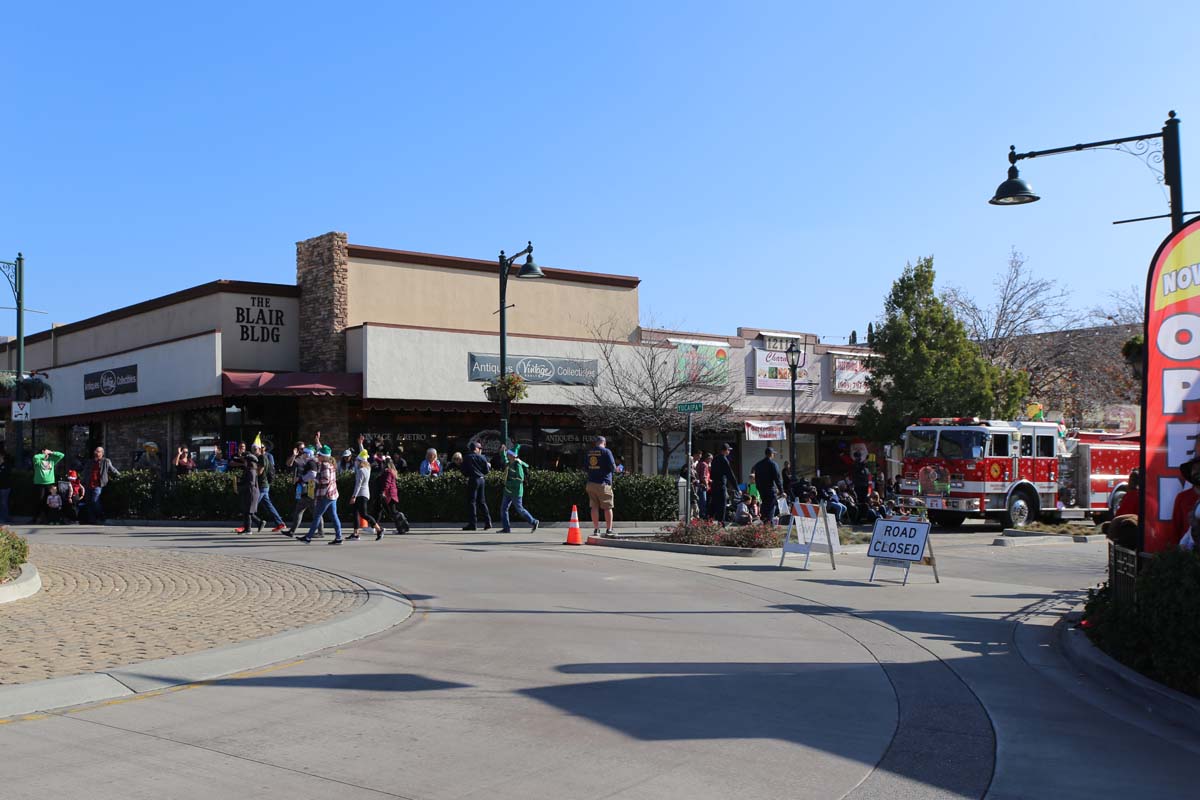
870, 334
925, 366
853, 337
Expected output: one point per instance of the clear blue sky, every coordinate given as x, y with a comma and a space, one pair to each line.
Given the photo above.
762, 164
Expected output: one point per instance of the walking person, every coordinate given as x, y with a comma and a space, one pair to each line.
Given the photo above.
516, 472
5, 487
266, 474
303, 461
248, 493
770, 485
723, 479
326, 495
600, 468
362, 495
475, 467
390, 494
703, 483
43, 478
98, 471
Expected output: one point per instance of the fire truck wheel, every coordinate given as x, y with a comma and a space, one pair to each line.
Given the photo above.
1021, 510
948, 519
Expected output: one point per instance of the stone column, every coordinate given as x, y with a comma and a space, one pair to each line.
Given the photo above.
323, 276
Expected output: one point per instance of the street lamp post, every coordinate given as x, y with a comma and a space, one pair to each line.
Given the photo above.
793, 361
15, 272
528, 270
1015, 191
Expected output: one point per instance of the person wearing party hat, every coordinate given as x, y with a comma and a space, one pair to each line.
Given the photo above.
516, 473
362, 494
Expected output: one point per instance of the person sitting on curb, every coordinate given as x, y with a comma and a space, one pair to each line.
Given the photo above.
516, 472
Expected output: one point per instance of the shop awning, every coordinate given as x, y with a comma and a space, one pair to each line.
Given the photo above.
292, 384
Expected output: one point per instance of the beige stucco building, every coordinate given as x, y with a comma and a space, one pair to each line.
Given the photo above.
393, 345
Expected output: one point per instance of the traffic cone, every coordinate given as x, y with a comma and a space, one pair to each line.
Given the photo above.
362, 523
574, 535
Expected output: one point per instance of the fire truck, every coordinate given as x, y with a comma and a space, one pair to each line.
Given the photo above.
1016, 471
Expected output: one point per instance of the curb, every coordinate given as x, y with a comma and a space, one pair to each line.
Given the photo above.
30, 583
1161, 701
694, 549
1025, 541
385, 608
191, 523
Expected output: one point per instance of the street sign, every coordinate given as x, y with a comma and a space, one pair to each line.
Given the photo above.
901, 542
20, 411
689, 408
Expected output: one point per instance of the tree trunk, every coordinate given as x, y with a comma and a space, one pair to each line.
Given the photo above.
664, 442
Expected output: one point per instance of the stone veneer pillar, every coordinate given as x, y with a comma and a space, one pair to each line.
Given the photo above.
323, 276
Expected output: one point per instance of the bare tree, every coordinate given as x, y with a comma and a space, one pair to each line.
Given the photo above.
1123, 307
1031, 326
640, 384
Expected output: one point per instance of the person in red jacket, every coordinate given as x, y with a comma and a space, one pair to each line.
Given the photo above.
1185, 502
1133, 495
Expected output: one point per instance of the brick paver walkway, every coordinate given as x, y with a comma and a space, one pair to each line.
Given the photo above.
103, 607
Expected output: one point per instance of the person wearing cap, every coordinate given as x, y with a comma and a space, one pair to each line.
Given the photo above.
248, 492
516, 472
475, 466
362, 495
770, 486
723, 479
302, 462
600, 468
325, 477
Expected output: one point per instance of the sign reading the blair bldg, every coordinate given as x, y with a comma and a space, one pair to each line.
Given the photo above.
259, 322
535, 369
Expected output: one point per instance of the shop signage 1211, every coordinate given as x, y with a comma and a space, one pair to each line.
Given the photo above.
534, 369
118, 380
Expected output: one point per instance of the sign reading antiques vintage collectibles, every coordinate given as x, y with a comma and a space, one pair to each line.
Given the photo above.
118, 380
1169, 416
535, 369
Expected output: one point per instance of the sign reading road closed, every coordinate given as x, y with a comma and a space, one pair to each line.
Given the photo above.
901, 542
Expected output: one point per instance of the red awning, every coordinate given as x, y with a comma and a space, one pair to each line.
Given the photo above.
292, 384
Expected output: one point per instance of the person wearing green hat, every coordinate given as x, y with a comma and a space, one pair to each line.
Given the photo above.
515, 474
327, 495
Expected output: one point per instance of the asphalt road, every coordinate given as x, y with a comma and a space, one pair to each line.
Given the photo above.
532, 670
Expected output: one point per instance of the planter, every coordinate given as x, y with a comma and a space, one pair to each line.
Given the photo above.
29, 583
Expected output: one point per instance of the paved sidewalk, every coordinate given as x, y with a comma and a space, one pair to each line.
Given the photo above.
103, 607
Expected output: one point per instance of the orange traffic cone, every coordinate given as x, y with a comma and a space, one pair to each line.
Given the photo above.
574, 535
362, 523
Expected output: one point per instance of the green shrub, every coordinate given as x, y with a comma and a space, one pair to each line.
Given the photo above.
142, 494
13, 552
1160, 635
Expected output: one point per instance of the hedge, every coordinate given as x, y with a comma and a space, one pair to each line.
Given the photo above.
141, 494
13, 552
1160, 635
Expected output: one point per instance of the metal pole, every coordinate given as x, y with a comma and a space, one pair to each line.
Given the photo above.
687, 506
1172, 169
504, 265
792, 439
20, 298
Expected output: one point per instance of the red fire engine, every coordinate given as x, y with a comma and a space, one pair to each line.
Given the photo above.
1014, 471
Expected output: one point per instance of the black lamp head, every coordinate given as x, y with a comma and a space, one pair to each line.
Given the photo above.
1014, 191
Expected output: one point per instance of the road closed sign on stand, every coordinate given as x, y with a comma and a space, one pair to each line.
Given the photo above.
901, 542
20, 411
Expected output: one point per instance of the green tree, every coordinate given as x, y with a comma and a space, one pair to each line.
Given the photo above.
925, 366
853, 337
